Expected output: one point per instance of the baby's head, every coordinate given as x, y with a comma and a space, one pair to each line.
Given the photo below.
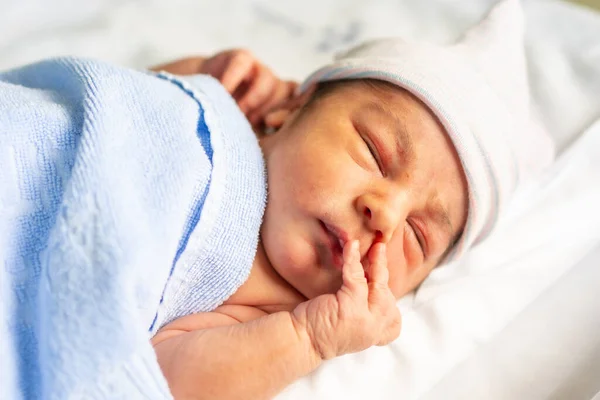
414, 145
362, 160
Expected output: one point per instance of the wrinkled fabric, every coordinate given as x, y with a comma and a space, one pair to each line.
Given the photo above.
126, 201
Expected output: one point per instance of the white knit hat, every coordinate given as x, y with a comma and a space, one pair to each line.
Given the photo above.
478, 89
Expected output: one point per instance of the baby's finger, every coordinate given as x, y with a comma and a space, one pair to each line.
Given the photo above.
283, 91
239, 68
378, 271
380, 295
261, 88
275, 119
353, 274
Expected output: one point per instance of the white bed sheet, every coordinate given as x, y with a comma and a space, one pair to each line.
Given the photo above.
518, 318
562, 365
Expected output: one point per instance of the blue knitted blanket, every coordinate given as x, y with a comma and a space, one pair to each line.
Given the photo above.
126, 201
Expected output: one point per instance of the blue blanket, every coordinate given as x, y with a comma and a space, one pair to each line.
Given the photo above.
126, 201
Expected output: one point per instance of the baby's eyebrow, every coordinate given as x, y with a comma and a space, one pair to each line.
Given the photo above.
404, 143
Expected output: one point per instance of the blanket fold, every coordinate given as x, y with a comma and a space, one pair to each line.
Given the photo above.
126, 201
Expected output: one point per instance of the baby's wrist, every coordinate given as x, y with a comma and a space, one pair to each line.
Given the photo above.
305, 339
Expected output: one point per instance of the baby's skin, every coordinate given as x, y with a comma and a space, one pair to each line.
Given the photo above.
362, 205
240, 351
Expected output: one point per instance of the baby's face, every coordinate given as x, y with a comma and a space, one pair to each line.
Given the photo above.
364, 162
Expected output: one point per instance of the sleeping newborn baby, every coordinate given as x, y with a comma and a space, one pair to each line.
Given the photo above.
394, 159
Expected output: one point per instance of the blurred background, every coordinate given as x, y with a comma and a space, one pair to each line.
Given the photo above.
292, 37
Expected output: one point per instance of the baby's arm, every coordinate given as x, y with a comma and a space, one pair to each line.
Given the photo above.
222, 316
212, 356
259, 358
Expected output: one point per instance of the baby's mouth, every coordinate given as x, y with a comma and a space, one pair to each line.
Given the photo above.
335, 244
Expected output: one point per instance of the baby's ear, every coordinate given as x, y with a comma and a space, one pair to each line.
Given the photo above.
275, 118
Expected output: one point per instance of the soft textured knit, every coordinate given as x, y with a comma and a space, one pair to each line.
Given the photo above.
126, 201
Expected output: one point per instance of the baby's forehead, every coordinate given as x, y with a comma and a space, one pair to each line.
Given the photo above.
374, 95
362, 88
380, 104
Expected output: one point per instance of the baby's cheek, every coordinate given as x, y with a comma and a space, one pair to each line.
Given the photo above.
294, 254
398, 280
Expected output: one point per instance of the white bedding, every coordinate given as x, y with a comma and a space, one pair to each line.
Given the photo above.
518, 318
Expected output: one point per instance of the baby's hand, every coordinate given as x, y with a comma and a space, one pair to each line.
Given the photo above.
253, 85
361, 314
